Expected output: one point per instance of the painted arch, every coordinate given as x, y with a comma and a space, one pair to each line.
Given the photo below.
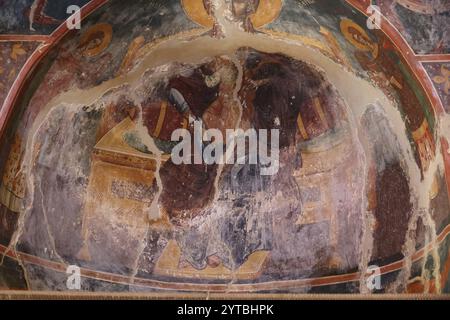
87, 177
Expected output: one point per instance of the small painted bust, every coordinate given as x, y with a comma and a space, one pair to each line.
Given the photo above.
242, 11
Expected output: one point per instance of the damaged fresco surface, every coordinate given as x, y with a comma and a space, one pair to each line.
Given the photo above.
87, 178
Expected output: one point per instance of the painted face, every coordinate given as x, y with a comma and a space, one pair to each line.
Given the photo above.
243, 8
208, 6
239, 8
364, 41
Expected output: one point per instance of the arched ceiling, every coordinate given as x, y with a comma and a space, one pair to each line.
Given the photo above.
85, 129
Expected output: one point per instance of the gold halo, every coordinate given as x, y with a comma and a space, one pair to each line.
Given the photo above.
106, 30
196, 11
268, 11
346, 24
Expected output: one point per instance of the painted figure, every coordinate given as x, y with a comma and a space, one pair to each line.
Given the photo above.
36, 15
387, 70
242, 11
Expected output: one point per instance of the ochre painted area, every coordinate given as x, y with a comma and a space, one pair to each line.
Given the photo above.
87, 175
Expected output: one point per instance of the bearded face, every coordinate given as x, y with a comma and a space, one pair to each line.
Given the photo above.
242, 9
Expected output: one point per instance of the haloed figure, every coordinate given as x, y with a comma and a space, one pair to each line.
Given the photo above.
242, 11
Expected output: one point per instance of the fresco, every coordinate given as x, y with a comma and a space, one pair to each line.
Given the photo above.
14, 55
422, 23
439, 73
34, 16
88, 176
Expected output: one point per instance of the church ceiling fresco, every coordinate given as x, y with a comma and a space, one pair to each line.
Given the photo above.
359, 117
13, 57
34, 16
439, 73
422, 23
